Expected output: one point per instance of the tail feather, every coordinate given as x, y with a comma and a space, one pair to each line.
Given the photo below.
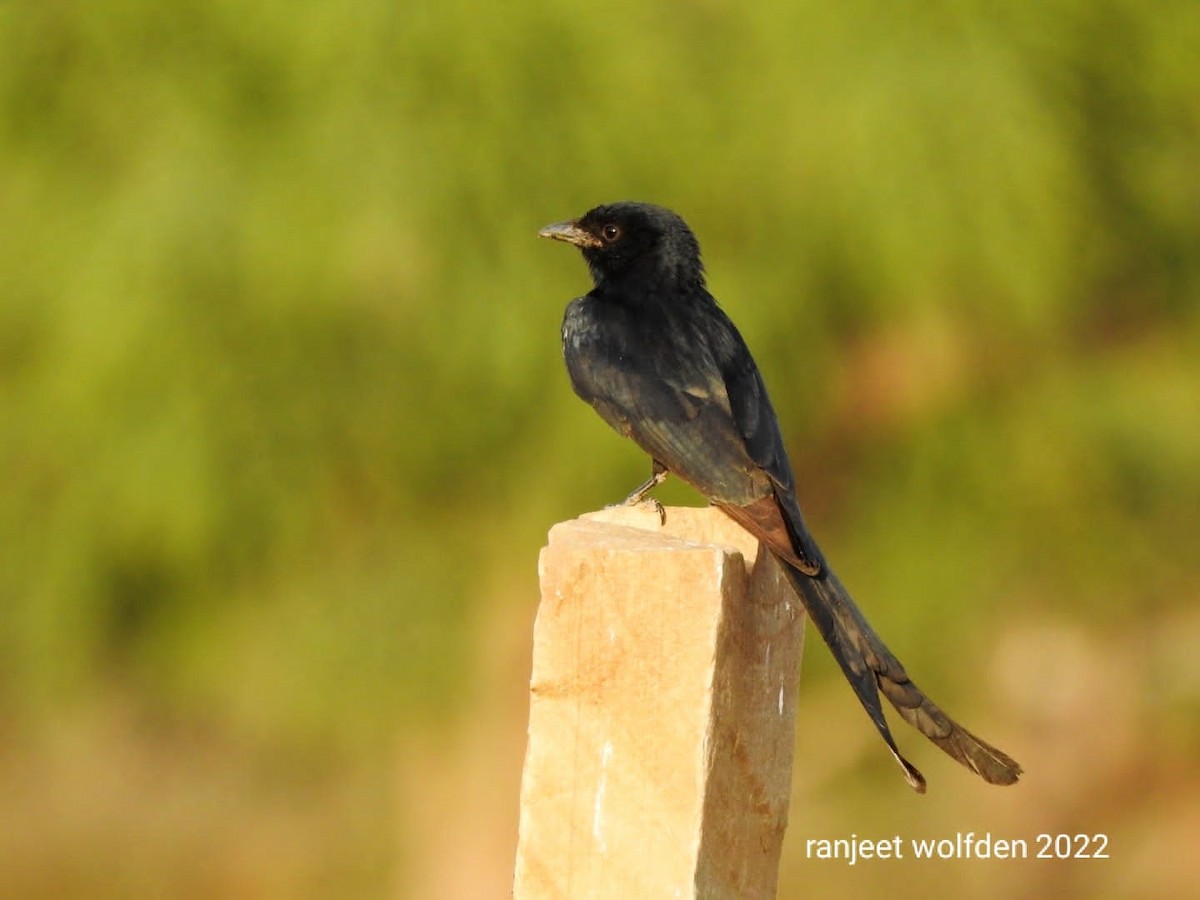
871, 669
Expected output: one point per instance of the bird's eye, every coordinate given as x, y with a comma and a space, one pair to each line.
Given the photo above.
611, 233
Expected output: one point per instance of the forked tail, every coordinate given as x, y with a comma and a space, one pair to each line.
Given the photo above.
871, 668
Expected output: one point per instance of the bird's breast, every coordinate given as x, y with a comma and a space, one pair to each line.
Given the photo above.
592, 333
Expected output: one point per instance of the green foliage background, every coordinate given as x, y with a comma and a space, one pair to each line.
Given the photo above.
281, 402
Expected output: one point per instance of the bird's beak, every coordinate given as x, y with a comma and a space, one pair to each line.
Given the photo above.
571, 233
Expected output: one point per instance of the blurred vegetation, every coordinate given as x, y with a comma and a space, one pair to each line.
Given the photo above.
282, 402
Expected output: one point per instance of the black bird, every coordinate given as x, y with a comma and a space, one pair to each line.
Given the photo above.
651, 350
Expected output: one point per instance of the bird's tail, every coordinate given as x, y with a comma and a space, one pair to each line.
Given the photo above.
871, 668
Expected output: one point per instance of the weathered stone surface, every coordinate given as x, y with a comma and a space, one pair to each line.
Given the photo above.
662, 705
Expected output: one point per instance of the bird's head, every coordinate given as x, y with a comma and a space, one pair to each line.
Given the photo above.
634, 241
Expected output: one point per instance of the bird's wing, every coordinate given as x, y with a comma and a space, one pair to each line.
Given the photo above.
775, 517
696, 403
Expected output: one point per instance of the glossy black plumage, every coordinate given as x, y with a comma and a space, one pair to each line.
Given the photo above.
649, 348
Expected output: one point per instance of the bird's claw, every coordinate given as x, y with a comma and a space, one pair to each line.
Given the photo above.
658, 507
636, 500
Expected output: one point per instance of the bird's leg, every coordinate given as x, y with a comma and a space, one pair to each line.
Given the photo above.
658, 474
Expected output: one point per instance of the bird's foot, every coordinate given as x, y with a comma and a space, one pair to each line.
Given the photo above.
658, 474
638, 500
